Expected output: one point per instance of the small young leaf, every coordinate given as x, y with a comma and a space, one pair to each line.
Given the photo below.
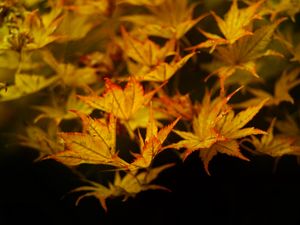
152, 144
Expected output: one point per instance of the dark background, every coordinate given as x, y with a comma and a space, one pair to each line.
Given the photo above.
237, 192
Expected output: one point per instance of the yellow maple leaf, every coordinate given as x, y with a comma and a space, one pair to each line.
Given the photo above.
275, 8
175, 106
59, 112
170, 19
287, 81
163, 71
75, 26
127, 186
96, 190
122, 103
230, 148
291, 42
147, 59
152, 144
204, 124
230, 127
70, 74
95, 145
146, 52
235, 25
41, 28
243, 53
216, 129
275, 145
126, 104
236, 21
25, 84
44, 141
213, 41
289, 126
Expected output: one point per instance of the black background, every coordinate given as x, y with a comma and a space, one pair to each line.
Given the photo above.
237, 192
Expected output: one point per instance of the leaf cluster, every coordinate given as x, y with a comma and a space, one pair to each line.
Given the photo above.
116, 70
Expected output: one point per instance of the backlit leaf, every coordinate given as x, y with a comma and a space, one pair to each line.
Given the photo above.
216, 129
204, 125
283, 85
25, 84
95, 145
235, 23
152, 144
171, 19
230, 147
275, 145
243, 53
127, 186
149, 58
175, 106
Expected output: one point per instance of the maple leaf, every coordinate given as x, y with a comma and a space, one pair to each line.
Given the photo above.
128, 186
125, 103
171, 19
216, 129
235, 25
146, 52
275, 8
70, 74
290, 40
230, 148
275, 145
25, 84
204, 123
163, 71
213, 41
231, 125
59, 111
289, 126
148, 59
286, 82
95, 145
35, 31
152, 144
43, 29
44, 141
175, 106
133, 183
243, 53
231, 128
75, 26
31, 30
